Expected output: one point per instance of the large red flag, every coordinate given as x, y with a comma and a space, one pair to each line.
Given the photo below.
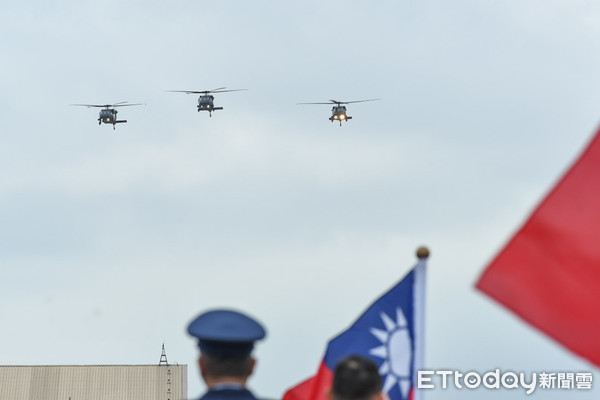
549, 272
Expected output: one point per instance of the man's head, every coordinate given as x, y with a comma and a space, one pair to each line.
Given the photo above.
356, 378
216, 368
226, 339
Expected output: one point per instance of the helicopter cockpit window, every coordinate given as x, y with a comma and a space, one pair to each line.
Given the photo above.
106, 114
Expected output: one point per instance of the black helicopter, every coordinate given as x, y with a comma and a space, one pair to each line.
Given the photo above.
108, 114
206, 99
338, 111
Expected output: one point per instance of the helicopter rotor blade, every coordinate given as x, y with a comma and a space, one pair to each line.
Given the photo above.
187, 91
331, 101
119, 104
126, 105
88, 105
357, 101
313, 103
224, 91
217, 90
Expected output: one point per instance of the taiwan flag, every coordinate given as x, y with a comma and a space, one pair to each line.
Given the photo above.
389, 332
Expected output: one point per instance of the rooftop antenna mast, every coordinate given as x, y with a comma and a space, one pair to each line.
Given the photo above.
163, 357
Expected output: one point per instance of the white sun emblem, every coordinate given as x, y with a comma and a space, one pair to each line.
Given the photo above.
396, 352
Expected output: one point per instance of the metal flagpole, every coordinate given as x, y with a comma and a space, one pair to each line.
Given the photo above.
419, 316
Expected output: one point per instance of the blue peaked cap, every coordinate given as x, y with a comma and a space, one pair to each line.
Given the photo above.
226, 332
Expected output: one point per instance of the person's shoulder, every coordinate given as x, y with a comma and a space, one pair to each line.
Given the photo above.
228, 394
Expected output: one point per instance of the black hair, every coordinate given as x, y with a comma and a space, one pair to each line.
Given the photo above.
219, 366
355, 378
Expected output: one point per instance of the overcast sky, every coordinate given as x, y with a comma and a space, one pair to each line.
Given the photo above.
112, 241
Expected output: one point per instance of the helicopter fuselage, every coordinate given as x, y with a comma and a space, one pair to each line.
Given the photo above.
109, 116
206, 103
338, 113
206, 99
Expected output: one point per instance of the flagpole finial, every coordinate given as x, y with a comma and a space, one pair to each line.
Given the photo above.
422, 252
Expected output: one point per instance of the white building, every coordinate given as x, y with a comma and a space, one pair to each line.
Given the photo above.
94, 382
